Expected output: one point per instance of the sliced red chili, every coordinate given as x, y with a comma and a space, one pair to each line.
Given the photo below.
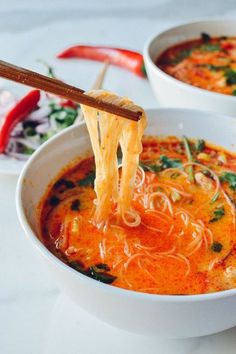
227, 46
68, 103
128, 59
20, 111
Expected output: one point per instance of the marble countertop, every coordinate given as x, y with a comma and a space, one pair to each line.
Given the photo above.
35, 317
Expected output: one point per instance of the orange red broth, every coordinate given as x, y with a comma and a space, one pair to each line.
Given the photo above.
179, 248
208, 63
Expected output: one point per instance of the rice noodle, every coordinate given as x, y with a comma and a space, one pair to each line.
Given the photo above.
140, 183
167, 202
106, 131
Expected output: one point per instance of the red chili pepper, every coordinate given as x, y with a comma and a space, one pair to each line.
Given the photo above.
227, 46
68, 103
20, 111
124, 58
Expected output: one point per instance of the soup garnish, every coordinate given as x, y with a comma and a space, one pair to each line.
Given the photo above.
208, 63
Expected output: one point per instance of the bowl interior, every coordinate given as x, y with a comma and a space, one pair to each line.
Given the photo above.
189, 31
74, 142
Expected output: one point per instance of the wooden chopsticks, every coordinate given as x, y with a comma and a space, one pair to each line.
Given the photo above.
54, 86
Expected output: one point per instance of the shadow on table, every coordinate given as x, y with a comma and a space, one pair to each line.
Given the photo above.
72, 329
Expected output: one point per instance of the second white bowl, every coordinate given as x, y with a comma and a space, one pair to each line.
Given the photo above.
174, 93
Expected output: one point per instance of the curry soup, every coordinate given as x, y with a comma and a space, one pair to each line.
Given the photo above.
208, 63
185, 194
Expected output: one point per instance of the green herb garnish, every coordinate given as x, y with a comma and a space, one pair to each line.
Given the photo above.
88, 180
218, 214
230, 76
217, 67
200, 145
181, 56
64, 183
234, 93
30, 131
54, 201
50, 69
77, 265
99, 275
215, 197
29, 128
28, 151
216, 247
150, 168
63, 116
230, 178
189, 157
103, 266
75, 205
167, 162
45, 137
97, 272
205, 37
210, 47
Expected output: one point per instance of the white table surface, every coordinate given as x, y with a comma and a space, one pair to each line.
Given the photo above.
35, 317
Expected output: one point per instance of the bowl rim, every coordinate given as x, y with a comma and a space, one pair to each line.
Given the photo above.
31, 235
147, 57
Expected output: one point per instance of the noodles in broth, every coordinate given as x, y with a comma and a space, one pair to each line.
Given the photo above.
161, 225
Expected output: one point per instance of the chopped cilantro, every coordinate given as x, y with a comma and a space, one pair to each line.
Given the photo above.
189, 157
216, 247
150, 168
97, 272
205, 37
63, 116
214, 67
230, 76
77, 265
54, 201
167, 162
49, 68
29, 131
64, 183
208, 47
28, 150
181, 56
200, 145
75, 205
215, 197
88, 180
102, 266
218, 214
230, 178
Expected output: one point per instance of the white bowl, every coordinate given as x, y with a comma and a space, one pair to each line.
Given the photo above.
174, 93
160, 315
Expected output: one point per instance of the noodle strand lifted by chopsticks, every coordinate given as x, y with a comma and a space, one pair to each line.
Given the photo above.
106, 132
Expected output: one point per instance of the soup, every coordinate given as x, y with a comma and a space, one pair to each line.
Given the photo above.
184, 193
207, 63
